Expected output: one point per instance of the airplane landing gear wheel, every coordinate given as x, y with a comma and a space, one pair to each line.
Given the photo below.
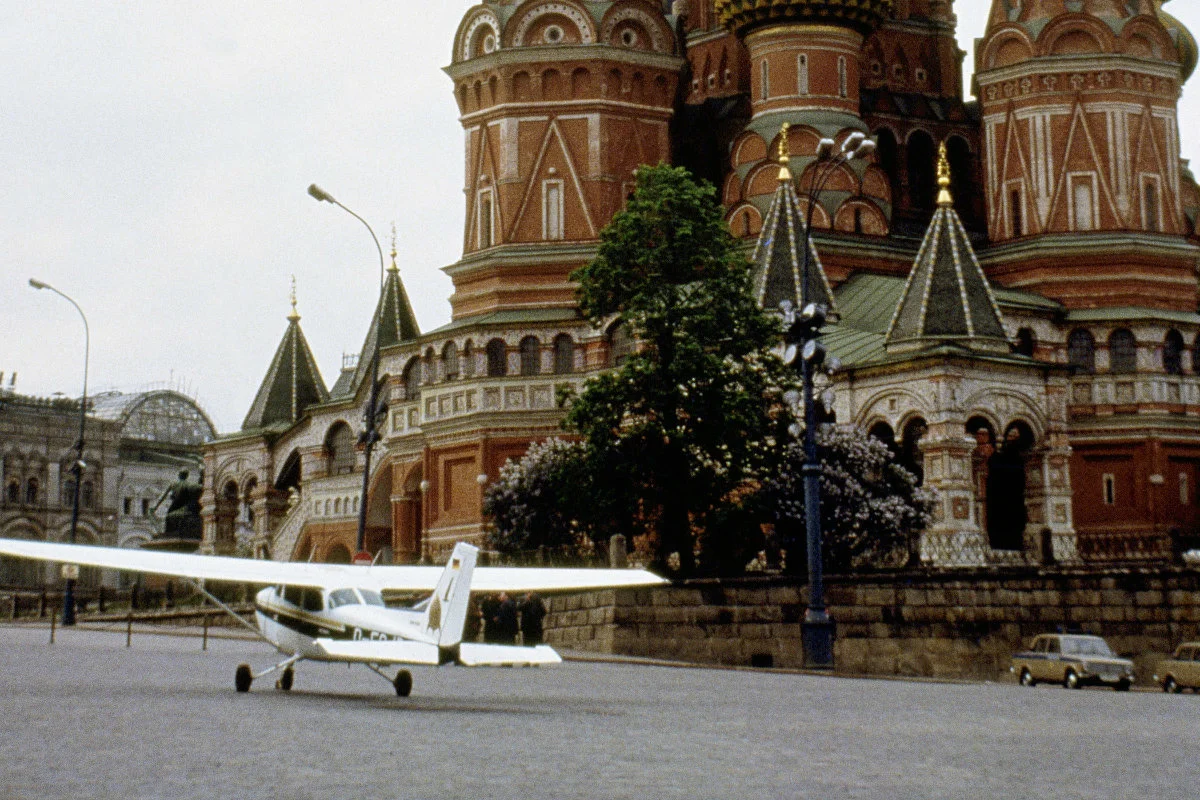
403, 683
243, 678
285, 680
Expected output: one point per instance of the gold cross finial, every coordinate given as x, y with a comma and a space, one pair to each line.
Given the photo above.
785, 174
943, 177
393, 267
295, 315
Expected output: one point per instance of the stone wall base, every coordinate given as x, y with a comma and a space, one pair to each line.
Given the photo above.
961, 625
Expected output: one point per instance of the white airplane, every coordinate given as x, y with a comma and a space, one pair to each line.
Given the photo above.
336, 612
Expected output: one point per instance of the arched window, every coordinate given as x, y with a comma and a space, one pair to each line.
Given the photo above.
887, 155
412, 379
497, 358
884, 433
843, 79
1172, 356
87, 494
802, 73
564, 354
68, 492
1026, 342
450, 361
340, 444
468, 359
922, 162
531, 356
962, 180
1081, 350
14, 491
31, 492
620, 344
1006, 514
1122, 351
430, 367
911, 457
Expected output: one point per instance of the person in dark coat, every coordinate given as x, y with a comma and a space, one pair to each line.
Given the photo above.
489, 606
533, 612
505, 621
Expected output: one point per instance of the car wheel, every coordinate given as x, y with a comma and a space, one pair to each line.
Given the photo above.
1071, 680
1027, 678
1122, 686
1170, 686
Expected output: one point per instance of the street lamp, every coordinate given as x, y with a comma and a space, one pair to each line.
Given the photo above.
817, 630
70, 571
370, 435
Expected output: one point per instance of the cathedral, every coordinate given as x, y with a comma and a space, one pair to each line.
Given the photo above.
1012, 279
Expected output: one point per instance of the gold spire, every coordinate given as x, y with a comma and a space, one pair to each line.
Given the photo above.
785, 174
295, 315
393, 267
943, 177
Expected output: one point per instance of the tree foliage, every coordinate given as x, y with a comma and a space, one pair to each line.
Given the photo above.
685, 415
684, 444
871, 507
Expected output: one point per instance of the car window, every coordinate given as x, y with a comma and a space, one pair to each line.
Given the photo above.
1039, 645
1052, 645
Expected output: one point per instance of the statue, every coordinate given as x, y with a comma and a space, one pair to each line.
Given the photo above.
183, 514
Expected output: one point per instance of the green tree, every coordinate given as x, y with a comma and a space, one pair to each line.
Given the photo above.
686, 420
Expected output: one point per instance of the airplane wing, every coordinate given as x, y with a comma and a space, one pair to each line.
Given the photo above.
260, 571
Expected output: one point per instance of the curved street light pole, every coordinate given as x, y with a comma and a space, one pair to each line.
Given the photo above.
370, 434
817, 630
68, 617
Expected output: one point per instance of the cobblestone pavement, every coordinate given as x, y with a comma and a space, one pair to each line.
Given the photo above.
89, 718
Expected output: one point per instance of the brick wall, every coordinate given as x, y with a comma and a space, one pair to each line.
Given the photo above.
962, 625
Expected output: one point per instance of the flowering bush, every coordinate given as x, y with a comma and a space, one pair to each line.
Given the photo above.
871, 507
533, 501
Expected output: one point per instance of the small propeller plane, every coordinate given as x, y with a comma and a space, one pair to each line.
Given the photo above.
336, 612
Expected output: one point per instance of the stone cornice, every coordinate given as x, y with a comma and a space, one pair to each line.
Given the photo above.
558, 54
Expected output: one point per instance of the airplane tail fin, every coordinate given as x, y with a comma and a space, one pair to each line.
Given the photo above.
446, 613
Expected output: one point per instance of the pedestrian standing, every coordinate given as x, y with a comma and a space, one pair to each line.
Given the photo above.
533, 613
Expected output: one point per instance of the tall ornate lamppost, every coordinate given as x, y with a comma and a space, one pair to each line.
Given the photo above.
371, 413
817, 630
71, 571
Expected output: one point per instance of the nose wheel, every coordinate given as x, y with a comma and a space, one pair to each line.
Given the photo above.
403, 683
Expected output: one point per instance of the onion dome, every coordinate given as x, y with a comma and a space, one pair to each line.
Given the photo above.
1185, 43
862, 15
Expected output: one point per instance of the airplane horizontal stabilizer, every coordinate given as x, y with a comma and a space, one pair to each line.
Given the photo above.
366, 651
471, 654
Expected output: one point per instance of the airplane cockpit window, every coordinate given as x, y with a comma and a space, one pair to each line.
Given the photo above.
342, 597
313, 600
294, 595
371, 597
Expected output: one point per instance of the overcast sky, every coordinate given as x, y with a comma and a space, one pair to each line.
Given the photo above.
156, 157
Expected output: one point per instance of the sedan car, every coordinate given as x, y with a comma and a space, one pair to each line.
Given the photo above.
1180, 671
1074, 660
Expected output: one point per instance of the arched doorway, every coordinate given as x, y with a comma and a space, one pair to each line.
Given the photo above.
408, 514
1006, 512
